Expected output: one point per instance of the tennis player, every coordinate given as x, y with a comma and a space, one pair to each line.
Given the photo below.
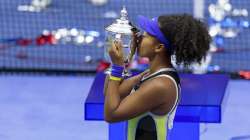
148, 101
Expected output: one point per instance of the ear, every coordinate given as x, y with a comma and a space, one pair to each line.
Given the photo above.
159, 48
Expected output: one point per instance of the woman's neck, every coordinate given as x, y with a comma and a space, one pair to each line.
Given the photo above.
158, 63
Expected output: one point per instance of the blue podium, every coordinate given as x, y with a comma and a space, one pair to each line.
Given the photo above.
203, 100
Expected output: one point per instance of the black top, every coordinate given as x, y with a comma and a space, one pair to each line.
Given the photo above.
146, 129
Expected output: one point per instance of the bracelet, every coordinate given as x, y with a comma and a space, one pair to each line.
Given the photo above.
115, 78
118, 67
117, 70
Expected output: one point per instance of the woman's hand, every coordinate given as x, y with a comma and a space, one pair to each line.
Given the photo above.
116, 53
136, 39
138, 77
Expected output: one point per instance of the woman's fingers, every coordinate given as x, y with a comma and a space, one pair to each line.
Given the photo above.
119, 49
119, 46
116, 49
145, 72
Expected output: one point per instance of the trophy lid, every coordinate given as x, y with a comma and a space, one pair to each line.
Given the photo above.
121, 25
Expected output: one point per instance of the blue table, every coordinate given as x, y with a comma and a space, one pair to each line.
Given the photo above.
203, 101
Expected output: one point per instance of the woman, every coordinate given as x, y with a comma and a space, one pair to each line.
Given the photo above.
149, 100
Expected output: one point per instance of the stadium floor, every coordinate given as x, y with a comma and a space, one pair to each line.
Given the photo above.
52, 107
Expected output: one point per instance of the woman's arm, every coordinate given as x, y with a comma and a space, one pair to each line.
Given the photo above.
150, 95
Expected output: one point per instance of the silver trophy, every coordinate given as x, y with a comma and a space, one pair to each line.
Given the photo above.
120, 30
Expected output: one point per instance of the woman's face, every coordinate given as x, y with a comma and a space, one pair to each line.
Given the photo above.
147, 45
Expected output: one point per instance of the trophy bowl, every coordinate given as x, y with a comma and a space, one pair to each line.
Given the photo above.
120, 30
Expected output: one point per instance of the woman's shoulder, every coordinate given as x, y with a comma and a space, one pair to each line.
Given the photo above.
161, 81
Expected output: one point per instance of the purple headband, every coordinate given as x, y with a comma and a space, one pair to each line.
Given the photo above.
152, 27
